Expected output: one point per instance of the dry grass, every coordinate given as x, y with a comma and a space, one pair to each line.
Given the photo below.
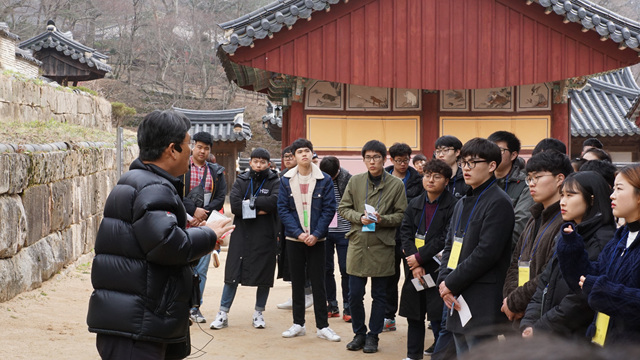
46, 132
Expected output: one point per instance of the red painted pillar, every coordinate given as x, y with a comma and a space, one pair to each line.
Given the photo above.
295, 123
560, 124
430, 123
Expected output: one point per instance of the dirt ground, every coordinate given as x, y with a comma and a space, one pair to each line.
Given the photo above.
50, 323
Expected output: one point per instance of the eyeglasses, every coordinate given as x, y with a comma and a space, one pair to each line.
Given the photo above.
401, 161
435, 177
374, 158
442, 151
471, 164
288, 157
503, 150
532, 180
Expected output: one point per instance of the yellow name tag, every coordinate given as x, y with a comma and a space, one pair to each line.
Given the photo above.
524, 272
602, 325
454, 257
419, 239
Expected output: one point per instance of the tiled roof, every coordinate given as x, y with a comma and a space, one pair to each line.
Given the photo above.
4, 31
601, 107
219, 123
606, 23
273, 121
64, 43
27, 55
272, 18
268, 20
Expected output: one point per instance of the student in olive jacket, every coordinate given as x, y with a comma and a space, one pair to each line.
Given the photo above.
371, 253
427, 215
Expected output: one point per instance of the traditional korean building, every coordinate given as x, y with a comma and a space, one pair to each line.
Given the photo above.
599, 110
64, 59
230, 134
345, 72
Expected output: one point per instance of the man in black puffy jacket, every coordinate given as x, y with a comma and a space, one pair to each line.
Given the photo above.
141, 275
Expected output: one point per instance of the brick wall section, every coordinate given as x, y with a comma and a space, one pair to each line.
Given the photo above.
7, 53
22, 100
51, 205
27, 68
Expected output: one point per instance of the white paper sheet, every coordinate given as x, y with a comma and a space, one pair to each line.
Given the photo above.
465, 312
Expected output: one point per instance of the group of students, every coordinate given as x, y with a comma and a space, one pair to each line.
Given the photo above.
489, 244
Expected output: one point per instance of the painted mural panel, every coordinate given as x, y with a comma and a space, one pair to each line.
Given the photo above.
324, 95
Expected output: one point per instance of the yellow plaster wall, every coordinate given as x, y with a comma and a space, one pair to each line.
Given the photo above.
529, 129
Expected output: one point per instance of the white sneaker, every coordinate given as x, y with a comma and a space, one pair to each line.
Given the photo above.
258, 320
287, 305
328, 334
220, 322
295, 330
308, 301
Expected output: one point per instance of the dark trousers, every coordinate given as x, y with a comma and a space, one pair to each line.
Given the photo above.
356, 304
392, 288
445, 348
112, 347
309, 259
416, 331
341, 244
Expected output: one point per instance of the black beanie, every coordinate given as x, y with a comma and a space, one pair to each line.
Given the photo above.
261, 153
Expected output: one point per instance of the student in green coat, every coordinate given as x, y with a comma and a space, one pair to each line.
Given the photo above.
371, 240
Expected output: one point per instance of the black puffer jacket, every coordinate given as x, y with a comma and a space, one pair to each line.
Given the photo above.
555, 307
141, 275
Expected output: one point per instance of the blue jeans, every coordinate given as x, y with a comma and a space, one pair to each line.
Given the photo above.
464, 342
201, 269
229, 293
337, 240
356, 304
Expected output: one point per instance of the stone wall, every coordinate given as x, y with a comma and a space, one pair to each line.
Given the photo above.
51, 205
22, 100
27, 68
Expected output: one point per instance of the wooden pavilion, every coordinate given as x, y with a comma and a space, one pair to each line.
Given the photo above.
411, 71
64, 59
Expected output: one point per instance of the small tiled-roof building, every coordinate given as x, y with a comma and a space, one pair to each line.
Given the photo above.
64, 59
16, 59
230, 134
599, 110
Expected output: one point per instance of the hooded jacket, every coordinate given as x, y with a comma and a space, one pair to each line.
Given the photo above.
555, 307
413, 186
141, 275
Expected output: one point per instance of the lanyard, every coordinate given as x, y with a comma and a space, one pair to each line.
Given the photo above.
366, 194
257, 191
423, 216
472, 210
506, 183
613, 253
537, 242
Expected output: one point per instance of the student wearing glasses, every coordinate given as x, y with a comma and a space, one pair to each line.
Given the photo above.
510, 176
423, 233
546, 172
477, 249
371, 241
400, 154
448, 150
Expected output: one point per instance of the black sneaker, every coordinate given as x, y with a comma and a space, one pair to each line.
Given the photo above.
371, 344
429, 351
334, 311
357, 343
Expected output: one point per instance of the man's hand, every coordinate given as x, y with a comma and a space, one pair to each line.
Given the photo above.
365, 220
582, 280
418, 273
510, 314
221, 226
412, 262
195, 222
528, 332
262, 212
201, 214
311, 240
303, 237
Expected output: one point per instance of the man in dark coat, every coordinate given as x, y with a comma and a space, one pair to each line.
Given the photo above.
477, 250
400, 154
251, 260
141, 275
210, 177
423, 232
448, 150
